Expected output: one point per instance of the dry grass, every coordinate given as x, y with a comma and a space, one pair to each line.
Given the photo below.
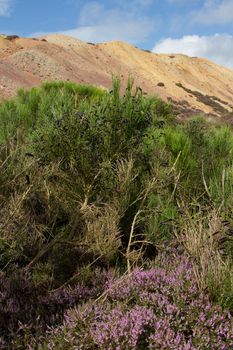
201, 237
102, 234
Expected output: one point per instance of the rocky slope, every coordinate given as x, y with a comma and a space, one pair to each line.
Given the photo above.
192, 84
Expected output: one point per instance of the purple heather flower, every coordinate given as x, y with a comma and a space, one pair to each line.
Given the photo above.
156, 309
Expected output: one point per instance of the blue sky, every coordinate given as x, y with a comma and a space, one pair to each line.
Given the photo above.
195, 27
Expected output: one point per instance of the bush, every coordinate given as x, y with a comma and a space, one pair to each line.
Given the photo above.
31, 106
154, 309
26, 306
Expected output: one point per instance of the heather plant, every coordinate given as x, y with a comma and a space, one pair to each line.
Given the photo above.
155, 309
26, 306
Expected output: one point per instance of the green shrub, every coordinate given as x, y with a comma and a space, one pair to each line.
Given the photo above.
37, 104
85, 172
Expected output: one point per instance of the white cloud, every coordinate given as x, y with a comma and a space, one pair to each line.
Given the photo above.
130, 31
5, 7
215, 12
101, 24
98, 24
217, 48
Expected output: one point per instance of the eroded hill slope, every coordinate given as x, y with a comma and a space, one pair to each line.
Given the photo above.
192, 84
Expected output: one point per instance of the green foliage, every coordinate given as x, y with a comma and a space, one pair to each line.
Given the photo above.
81, 168
37, 104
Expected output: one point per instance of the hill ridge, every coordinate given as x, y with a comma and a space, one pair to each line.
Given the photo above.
192, 84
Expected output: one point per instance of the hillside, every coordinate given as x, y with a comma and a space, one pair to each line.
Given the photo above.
191, 83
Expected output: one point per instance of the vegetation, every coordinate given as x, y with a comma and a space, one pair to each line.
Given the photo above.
93, 185
142, 311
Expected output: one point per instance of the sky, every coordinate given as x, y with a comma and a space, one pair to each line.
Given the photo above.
202, 28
